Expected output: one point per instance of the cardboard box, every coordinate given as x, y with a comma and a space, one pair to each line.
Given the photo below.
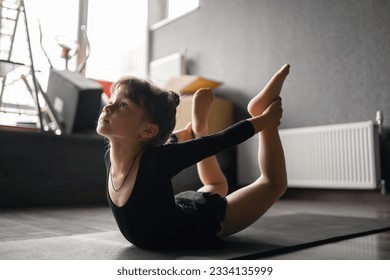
221, 113
189, 84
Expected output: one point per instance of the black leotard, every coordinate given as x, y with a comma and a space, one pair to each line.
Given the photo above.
153, 217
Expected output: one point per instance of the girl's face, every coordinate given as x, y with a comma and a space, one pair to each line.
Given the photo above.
121, 118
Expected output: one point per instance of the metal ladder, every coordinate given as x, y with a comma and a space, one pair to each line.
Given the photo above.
13, 19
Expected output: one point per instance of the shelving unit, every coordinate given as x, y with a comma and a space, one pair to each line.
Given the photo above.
17, 72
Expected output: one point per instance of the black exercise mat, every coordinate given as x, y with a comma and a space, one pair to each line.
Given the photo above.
268, 236
287, 233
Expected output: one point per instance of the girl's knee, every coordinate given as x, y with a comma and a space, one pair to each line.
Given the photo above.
278, 185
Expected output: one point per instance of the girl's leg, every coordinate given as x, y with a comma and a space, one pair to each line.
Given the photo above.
209, 170
249, 203
270, 92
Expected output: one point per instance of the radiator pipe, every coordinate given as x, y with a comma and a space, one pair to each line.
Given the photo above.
379, 121
379, 124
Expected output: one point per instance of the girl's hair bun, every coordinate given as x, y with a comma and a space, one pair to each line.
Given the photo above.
175, 97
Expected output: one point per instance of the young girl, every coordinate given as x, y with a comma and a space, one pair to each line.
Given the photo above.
138, 122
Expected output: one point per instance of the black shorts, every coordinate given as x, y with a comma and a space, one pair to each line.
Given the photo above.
203, 214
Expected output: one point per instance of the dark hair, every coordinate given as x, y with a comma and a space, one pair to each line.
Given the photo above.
159, 104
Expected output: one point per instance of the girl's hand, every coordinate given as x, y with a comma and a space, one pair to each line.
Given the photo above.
274, 113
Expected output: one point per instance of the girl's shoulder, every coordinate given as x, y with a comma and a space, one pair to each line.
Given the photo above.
158, 155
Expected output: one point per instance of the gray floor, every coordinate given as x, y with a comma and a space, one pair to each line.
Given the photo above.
61, 233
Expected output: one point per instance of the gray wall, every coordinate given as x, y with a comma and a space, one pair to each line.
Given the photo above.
339, 52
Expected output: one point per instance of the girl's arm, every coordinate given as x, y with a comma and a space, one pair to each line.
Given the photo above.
176, 157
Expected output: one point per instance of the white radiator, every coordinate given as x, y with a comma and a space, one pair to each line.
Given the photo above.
163, 69
344, 156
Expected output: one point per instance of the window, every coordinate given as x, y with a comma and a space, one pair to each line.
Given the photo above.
59, 21
165, 11
177, 8
117, 31
57, 18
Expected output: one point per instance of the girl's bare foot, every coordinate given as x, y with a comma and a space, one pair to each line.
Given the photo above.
271, 91
202, 101
184, 134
